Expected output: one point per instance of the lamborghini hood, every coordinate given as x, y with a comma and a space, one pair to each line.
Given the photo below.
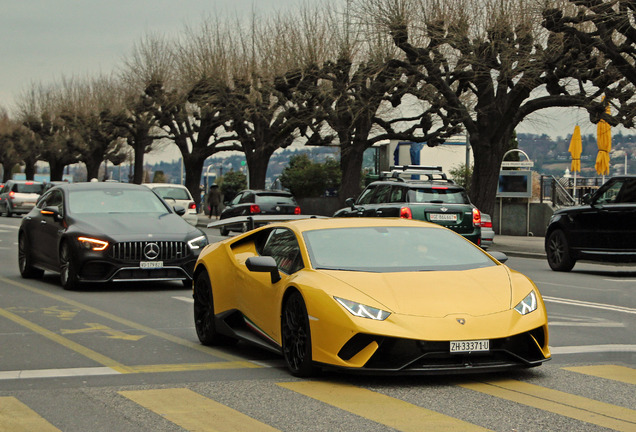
475, 292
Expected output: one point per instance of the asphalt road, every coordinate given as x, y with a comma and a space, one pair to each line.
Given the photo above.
126, 358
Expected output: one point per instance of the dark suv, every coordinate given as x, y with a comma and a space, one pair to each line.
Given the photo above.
604, 229
427, 195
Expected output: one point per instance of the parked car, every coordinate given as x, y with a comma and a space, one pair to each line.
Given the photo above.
176, 194
369, 295
603, 229
102, 232
487, 233
258, 202
434, 198
19, 196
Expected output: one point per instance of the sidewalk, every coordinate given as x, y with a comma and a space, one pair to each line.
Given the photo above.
519, 246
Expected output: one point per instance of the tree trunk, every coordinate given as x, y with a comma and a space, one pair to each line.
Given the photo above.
257, 163
138, 176
29, 169
92, 169
351, 166
488, 154
193, 166
57, 170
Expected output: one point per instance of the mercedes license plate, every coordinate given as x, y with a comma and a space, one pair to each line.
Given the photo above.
151, 264
443, 217
469, 346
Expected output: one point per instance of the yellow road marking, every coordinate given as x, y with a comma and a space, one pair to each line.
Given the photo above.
80, 349
382, 409
558, 402
611, 372
192, 411
17, 417
176, 340
97, 327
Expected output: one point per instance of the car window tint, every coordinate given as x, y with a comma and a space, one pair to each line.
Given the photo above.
172, 193
411, 249
627, 193
283, 247
382, 194
439, 195
609, 195
115, 201
28, 188
236, 199
247, 198
274, 199
398, 194
54, 199
365, 198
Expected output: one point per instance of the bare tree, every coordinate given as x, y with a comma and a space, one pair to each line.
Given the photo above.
492, 65
610, 28
9, 131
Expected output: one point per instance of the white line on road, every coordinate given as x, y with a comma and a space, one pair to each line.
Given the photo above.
632, 281
184, 299
592, 349
9, 226
57, 373
592, 305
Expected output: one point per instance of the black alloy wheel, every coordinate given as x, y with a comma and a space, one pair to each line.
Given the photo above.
204, 313
559, 256
296, 337
68, 268
27, 270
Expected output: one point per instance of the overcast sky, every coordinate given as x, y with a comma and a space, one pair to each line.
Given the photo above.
42, 40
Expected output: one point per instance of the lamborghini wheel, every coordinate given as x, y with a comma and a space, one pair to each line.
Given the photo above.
558, 252
296, 337
204, 313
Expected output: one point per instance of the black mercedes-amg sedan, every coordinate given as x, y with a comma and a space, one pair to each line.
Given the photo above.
103, 232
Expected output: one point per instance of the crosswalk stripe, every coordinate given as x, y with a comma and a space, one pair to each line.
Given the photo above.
558, 402
611, 372
380, 408
17, 417
194, 412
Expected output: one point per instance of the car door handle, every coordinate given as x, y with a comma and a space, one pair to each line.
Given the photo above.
379, 212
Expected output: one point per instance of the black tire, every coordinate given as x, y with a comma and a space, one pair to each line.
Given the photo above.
187, 283
558, 252
25, 263
224, 231
296, 337
204, 313
68, 268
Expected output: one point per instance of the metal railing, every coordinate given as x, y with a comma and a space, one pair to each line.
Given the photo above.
561, 191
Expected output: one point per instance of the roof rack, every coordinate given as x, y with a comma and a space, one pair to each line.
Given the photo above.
432, 173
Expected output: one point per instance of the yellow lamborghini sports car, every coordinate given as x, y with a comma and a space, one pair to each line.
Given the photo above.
374, 295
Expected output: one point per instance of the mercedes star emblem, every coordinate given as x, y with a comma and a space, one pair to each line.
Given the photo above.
151, 251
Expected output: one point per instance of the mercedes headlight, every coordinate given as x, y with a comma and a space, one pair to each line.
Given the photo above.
528, 304
92, 243
198, 243
363, 311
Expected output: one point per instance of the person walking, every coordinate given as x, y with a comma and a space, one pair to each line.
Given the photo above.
214, 201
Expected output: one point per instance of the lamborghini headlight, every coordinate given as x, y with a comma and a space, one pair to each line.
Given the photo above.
92, 243
528, 304
363, 311
198, 242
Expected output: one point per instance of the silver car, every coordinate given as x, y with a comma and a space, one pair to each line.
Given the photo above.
177, 195
487, 233
19, 196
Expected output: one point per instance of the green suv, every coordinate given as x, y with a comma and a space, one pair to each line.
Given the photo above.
426, 194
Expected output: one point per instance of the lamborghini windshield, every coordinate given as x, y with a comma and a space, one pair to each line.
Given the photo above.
392, 249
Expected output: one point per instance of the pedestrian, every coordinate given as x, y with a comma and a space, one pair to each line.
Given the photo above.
214, 200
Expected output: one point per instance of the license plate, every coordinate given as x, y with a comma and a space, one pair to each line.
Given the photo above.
151, 264
443, 217
469, 346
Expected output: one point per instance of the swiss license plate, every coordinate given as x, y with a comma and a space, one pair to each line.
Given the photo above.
151, 264
443, 217
469, 346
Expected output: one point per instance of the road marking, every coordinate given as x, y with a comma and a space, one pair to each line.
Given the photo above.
558, 402
191, 411
80, 349
57, 373
9, 226
611, 372
17, 417
580, 349
394, 413
184, 299
631, 281
592, 305
582, 321
149, 330
97, 327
